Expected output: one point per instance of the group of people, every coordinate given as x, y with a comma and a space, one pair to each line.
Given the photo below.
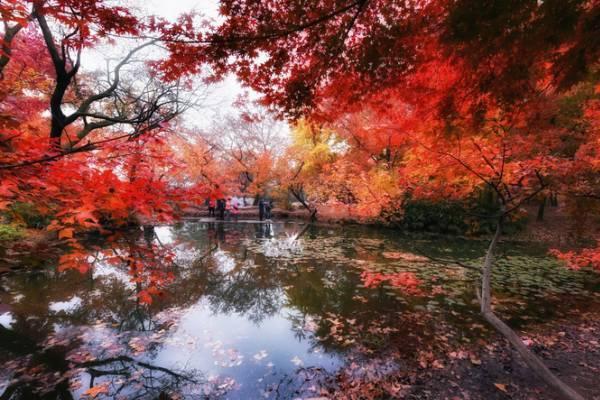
221, 207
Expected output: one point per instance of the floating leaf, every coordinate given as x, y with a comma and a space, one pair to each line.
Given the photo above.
501, 387
96, 390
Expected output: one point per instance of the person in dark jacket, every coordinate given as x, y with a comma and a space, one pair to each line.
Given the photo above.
221, 209
261, 209
268, 208
212, 206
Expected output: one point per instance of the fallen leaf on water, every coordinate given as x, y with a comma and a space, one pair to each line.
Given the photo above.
501, 386
527, 341
96, 390
475, 361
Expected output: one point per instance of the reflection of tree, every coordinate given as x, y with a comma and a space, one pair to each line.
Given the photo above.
120, 374
250, 289
27, 384
259, 286
323, 298
44, 370
46, 373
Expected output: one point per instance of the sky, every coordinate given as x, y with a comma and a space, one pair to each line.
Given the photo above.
172, 8
219, 97
222, 95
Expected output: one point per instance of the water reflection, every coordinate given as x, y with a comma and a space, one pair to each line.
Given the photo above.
209, 309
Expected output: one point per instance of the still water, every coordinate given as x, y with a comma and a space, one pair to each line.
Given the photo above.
245, 311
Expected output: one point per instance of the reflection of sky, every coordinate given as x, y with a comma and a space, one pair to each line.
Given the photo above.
231, 345
6, 320
282, 247
207, 337
167, 236
225, 262
164, 234
103, 269
66, 306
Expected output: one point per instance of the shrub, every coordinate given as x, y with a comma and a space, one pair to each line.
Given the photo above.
10, 233
442, 217
28, 215
474, 216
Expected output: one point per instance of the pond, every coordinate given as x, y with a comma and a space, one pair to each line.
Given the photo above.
244, 311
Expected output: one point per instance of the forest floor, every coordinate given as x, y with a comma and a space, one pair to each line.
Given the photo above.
569, 347
559, 228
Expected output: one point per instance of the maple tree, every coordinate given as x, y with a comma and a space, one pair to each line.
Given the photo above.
464, 94
248, 146
329, 167
389, 101
516, 152
299, 170
292, 51
87, 151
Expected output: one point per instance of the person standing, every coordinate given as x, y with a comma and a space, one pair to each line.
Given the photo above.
221, 209
212, 205
228, 207
268, 208
235, 208
213, 200
261, 209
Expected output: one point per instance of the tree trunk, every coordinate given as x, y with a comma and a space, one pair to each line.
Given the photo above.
554, 200
541, 209
313, 212
530, 359
9, 34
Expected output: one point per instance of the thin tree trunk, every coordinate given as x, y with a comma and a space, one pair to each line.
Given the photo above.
313, 212
530, 359
541, 209
554, 200
9, 34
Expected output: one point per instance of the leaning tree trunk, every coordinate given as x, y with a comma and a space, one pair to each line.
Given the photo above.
486, 310
312, 212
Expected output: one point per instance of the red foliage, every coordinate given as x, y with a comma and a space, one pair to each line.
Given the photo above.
586, 258
291, 51
123, 175
407, 281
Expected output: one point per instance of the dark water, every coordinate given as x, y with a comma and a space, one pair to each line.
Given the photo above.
243, 311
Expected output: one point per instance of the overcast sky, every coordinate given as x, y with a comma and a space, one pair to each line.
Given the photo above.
220, 96
171, 9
